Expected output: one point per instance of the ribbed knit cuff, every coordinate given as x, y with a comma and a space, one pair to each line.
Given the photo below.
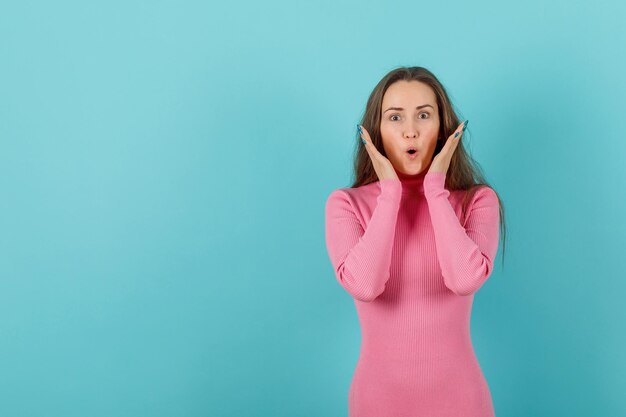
434, 183
391, 187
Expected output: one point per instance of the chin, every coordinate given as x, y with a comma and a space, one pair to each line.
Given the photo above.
412, 170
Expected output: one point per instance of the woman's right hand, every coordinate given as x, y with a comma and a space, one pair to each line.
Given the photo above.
384, 169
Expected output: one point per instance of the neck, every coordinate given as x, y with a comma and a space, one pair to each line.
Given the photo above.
412, 184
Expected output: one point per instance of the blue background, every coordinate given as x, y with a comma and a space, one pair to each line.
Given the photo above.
164, 167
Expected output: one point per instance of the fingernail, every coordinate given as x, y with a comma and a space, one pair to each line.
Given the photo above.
359, 127
363, 141
457, 134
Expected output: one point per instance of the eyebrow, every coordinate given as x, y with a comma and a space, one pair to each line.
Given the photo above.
400, 108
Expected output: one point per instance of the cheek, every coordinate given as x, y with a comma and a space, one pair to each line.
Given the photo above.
385, 130
429, 149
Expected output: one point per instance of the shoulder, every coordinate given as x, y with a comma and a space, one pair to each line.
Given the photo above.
354, 193
339, 194
350, 197
485, 191
338, 198
482, 195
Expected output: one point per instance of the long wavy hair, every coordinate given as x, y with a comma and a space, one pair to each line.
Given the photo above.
463, 173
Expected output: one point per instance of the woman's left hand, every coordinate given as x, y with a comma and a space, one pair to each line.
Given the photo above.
441, 161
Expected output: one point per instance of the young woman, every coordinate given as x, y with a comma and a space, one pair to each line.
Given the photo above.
412, 240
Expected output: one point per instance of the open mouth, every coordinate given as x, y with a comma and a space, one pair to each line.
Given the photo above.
411, 151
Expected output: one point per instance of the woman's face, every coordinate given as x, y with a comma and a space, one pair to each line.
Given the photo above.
410, 118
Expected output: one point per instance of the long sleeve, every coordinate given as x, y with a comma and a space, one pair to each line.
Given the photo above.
361, 258
465, 254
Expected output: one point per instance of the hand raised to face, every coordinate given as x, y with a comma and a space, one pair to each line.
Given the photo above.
441, 161
382, 166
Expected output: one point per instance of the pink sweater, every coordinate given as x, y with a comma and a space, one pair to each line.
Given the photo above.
398, 247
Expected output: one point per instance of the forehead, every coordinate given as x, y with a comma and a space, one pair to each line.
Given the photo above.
409, 94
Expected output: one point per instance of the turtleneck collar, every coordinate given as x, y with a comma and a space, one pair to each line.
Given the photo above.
412, 184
